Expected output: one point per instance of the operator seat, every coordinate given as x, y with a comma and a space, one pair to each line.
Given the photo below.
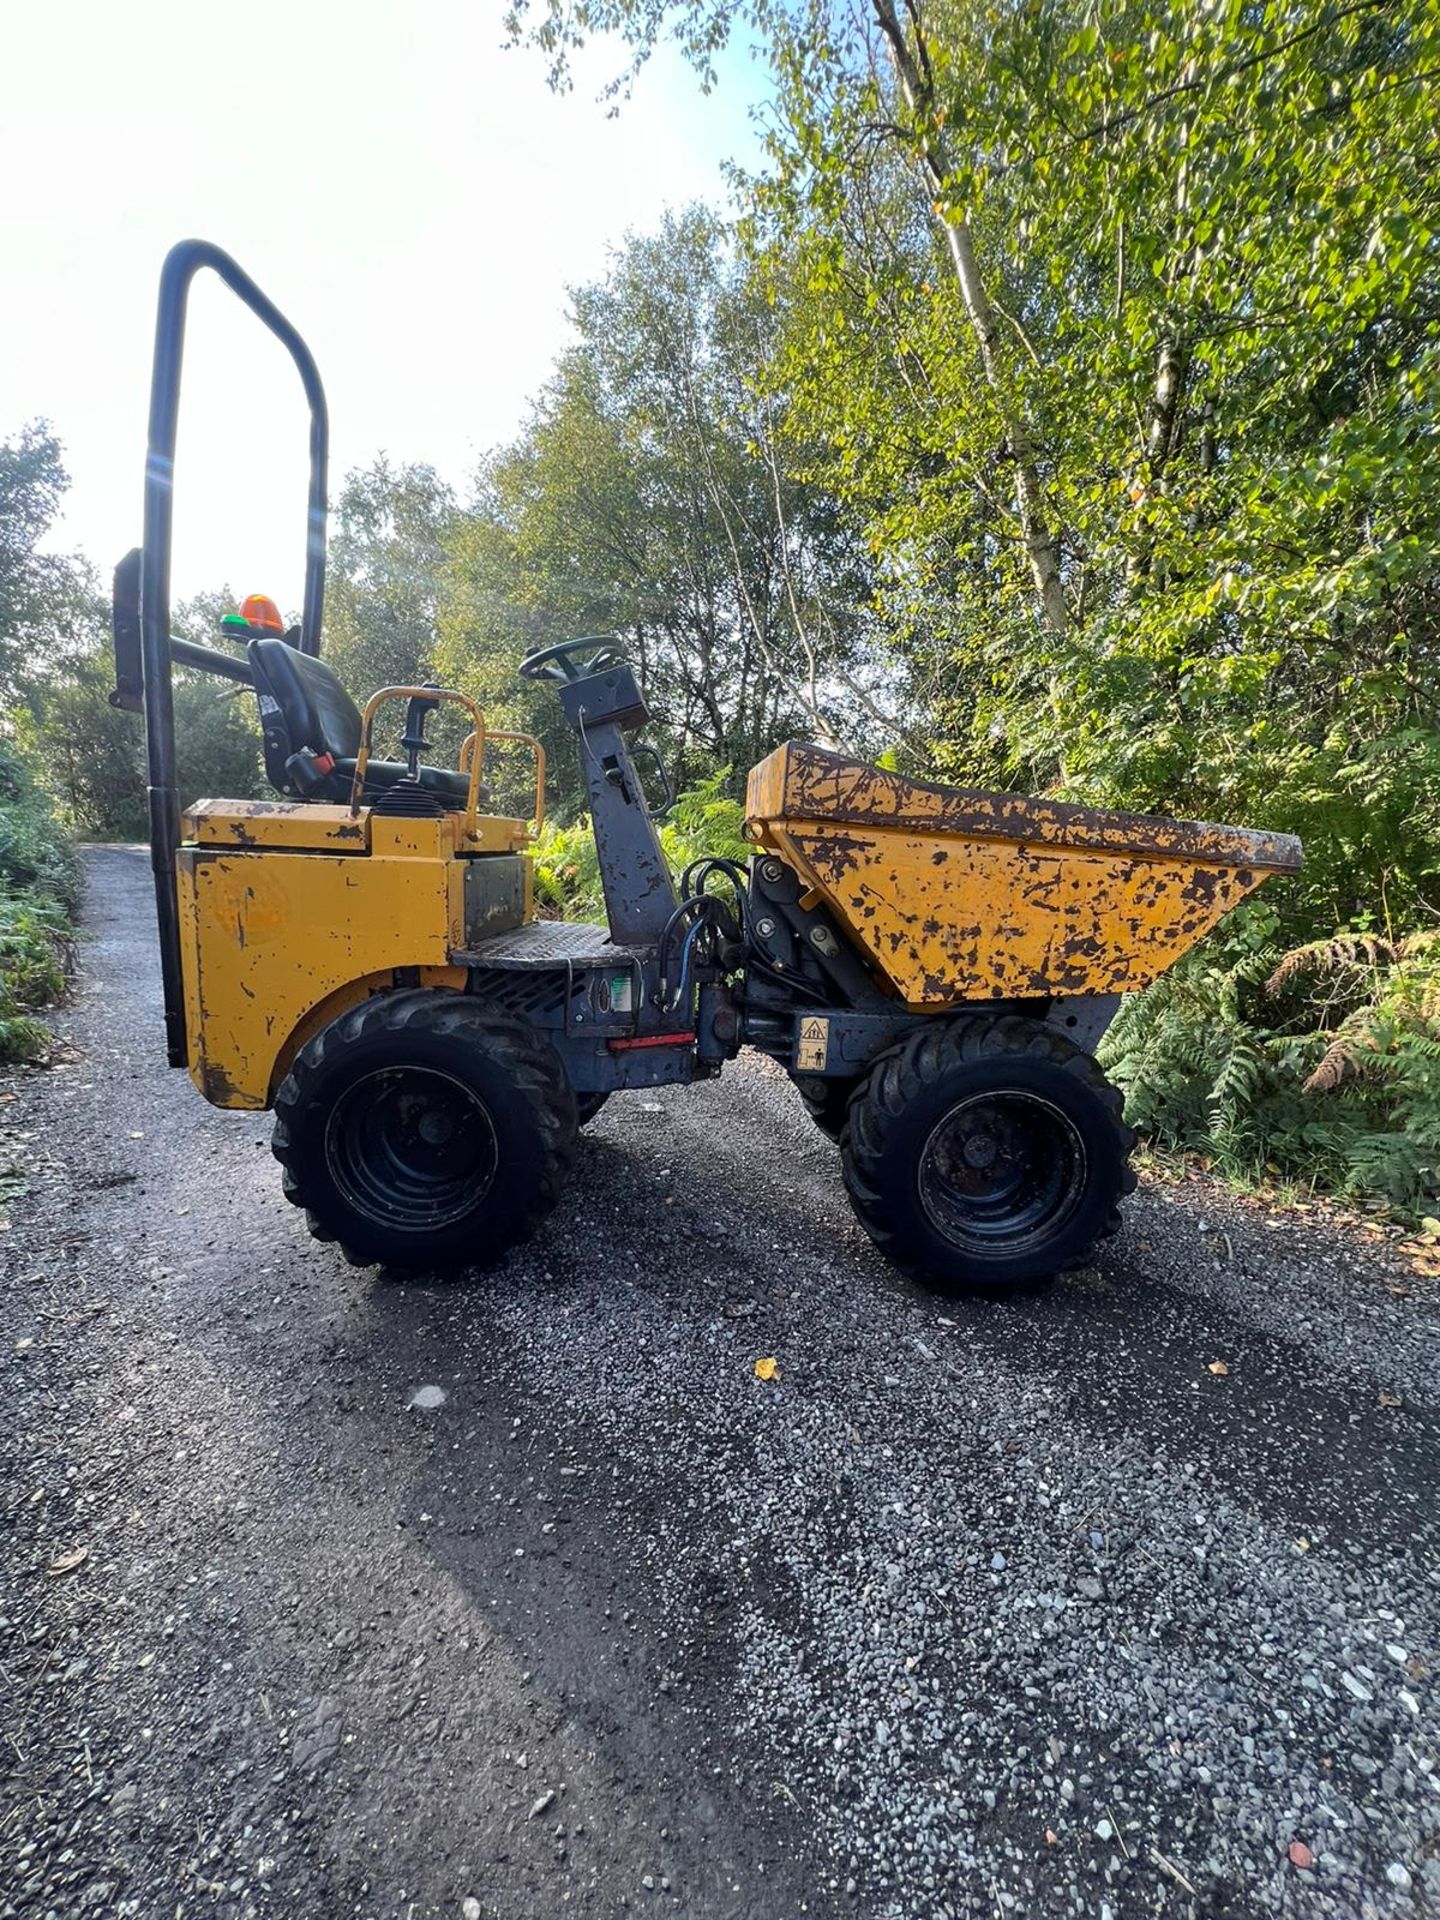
311, 731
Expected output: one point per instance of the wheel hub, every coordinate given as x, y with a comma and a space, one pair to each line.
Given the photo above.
435, 1128
1001, 1170
411, 1147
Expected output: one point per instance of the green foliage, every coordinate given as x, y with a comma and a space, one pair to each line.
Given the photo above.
38, 885
91, 757
388, 558
647, 498
705, 820
1319, 1066
43, 596
1112, 329
34, 857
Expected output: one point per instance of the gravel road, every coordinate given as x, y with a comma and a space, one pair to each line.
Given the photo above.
523, 1597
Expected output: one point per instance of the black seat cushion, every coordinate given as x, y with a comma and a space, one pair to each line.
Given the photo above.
452, 787
304, 708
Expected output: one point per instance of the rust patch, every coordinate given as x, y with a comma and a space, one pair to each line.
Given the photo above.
816, 785
218, 1088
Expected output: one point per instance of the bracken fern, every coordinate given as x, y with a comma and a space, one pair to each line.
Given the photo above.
1320, 1064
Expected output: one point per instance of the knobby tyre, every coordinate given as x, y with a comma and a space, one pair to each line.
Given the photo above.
986, 1151
423, 1129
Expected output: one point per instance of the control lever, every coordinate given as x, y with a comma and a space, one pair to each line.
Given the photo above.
413, 739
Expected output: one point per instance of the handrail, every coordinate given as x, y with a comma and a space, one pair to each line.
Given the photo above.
467, 750
367, 721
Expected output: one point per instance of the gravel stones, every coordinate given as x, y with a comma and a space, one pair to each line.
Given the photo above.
694, 1598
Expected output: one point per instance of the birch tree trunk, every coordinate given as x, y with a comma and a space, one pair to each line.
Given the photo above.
1041, 547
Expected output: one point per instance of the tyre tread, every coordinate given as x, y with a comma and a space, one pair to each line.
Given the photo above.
513, 1044
902, 1073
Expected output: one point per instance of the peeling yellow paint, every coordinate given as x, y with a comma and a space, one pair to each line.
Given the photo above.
955, 894
282, 928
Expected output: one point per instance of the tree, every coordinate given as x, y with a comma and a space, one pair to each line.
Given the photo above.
648, 497
46, 599
1149, 491
91, 756
388, 556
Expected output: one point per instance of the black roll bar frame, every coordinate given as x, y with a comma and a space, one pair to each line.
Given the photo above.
150, 572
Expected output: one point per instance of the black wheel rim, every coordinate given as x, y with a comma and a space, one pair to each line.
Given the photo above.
1001, 1172
411, 1148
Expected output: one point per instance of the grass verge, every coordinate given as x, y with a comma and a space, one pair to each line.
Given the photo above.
39, 884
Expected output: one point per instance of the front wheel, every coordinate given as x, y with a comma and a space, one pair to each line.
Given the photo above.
423, 1129
986, 1152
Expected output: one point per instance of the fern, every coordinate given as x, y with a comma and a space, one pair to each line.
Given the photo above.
1321, 1064
705, 819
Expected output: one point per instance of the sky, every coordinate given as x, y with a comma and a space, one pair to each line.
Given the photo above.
409, 193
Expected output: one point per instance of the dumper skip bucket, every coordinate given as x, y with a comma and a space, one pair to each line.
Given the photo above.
956, 895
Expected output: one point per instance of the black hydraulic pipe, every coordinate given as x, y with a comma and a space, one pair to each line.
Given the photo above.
182, 263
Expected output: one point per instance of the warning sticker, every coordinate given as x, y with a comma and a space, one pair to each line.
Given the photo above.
813, 1045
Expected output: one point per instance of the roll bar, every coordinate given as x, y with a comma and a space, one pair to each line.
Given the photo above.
144, 647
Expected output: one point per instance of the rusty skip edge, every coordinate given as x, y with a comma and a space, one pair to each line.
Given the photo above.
803, 783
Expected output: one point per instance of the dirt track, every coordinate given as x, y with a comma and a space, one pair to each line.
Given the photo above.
981, 1609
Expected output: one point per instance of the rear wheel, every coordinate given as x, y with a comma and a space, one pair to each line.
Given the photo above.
987, 1151
423, 1129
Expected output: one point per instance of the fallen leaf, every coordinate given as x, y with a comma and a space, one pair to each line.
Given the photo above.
1300, 1854
766, 1369
24, 1346
1218, 1366
1431, 1226
1050, 1836
1302, 1545
1390, 1399
67, 1562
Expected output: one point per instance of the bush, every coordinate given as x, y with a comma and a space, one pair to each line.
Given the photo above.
706, 820
39, 882
1319, 1066
91, 757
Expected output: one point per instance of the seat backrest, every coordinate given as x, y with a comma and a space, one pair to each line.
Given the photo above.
306, 699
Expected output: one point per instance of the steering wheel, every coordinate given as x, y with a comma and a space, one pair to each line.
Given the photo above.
559, 662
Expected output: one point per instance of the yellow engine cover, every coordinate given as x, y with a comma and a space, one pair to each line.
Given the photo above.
954, 894
290, 913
